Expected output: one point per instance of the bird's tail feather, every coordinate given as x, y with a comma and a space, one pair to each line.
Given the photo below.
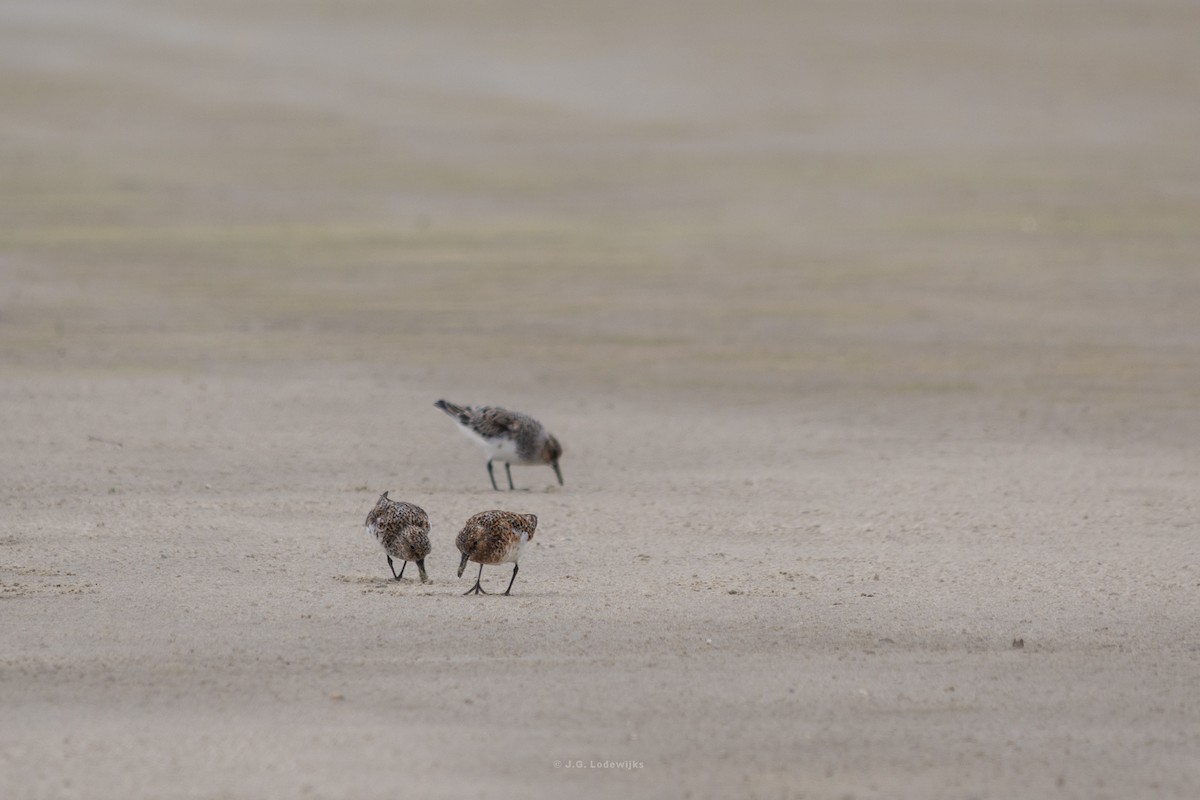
450, 408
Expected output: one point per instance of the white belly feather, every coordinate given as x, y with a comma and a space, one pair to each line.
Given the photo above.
499, 449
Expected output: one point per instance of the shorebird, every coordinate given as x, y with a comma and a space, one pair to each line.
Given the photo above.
494, 537
506, 436
403, 531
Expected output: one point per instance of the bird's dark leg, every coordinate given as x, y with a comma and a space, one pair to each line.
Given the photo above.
477, 589
513, 578
402, 566
393, 568
493, 477
508, 472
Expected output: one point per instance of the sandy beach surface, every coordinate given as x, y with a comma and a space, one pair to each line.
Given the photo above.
871, 331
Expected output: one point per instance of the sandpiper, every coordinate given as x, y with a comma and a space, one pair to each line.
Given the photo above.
506, 436
494, 537
403, 530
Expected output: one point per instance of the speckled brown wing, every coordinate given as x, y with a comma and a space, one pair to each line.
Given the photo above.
395, 514
492, 422
409, 515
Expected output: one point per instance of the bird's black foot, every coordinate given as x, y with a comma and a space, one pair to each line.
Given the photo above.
477, 588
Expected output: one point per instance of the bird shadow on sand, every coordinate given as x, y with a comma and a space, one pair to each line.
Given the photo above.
376, 582
368, 582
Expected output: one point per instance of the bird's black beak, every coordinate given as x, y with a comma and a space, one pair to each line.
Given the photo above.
462, 565
558, 472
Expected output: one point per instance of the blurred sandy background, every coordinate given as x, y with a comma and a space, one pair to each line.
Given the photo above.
870, 329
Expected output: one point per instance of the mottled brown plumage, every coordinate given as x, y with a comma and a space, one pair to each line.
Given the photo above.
494, 537
509, 436
403, 531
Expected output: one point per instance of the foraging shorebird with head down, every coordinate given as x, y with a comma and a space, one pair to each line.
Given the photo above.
494, 537
506, 436
403, 531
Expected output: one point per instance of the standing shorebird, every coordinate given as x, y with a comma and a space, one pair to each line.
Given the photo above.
507, 436
494, 537
403, 530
